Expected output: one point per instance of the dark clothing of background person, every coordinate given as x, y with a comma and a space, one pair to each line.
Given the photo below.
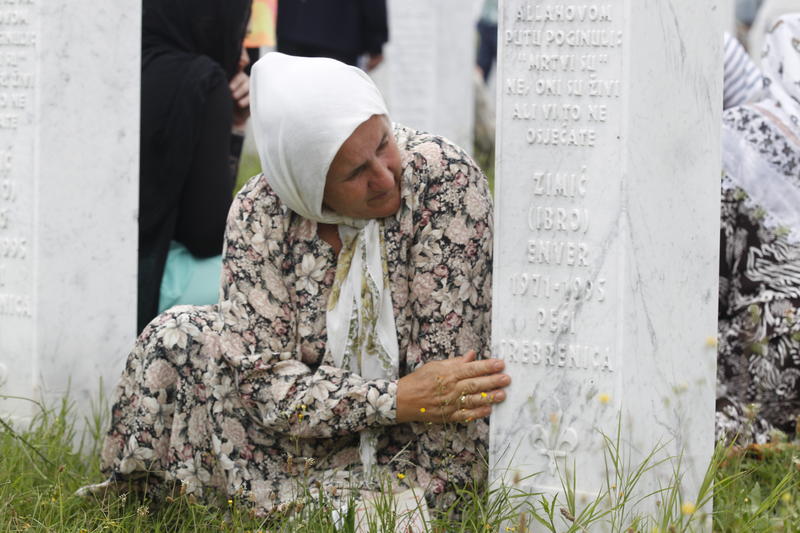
339, 29
190, 50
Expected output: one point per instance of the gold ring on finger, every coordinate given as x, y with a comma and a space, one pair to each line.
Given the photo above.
463, 399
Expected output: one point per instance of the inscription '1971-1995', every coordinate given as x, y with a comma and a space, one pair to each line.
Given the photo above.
539, 286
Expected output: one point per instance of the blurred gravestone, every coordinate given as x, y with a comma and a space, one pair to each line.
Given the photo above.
606, 237
427, 76
69, 138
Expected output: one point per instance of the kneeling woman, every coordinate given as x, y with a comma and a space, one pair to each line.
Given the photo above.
350, 344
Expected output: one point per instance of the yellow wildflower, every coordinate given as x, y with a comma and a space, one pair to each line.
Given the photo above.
422, 409
604, 398
230, 502
711, 342
484, 395
401, 475
688, 508
786, 497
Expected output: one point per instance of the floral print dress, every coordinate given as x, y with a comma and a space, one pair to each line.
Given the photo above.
241, 397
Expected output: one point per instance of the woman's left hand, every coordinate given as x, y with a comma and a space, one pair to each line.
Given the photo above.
454, 390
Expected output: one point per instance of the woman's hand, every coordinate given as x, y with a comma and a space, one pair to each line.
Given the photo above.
240, 91
455, 390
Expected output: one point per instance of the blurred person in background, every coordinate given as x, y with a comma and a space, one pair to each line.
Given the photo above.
195, 102
767, 15
746, 11
743, 80
350, 31
487, 38
758, 370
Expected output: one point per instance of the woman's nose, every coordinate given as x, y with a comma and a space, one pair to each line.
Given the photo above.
382, 178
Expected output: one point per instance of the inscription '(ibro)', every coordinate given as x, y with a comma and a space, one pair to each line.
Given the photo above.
568, 220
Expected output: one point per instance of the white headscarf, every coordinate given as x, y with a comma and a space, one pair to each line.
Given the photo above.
304, 109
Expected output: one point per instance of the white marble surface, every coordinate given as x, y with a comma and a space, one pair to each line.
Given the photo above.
68, 195
429, 62
608, 183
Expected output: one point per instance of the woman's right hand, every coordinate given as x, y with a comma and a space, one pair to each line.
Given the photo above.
454, 390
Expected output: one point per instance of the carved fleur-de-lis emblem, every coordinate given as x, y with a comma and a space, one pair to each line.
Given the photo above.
554, 443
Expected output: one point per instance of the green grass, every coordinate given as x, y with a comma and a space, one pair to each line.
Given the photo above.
249, 166
754, 490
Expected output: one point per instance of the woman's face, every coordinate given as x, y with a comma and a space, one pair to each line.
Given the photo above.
363, 180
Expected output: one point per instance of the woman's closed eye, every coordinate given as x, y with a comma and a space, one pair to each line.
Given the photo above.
355, 173
384, 143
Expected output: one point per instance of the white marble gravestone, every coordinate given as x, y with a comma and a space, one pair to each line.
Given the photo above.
69, 140
429, 66
606, 236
